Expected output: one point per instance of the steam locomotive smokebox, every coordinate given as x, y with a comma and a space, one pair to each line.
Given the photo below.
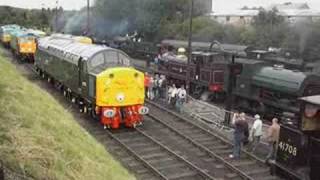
291, 152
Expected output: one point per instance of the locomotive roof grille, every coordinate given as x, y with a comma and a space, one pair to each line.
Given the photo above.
71, 50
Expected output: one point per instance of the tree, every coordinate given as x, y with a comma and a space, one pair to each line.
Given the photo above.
270, 28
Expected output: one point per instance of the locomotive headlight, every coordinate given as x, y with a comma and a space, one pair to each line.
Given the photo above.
120, 97
109, 113
143, 110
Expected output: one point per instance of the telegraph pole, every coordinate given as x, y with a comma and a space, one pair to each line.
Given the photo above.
88, 17
56, 19
189, 46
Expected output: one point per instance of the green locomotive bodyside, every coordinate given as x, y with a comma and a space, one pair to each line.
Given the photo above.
65, 69
71, 63
274, 88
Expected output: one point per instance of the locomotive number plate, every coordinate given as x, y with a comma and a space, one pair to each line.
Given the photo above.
288, 148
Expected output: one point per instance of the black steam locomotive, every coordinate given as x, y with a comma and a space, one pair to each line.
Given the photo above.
298, 155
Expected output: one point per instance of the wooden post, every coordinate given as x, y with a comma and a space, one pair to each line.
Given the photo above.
189, 47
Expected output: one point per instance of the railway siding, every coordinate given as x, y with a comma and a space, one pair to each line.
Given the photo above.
166, 163
213, 146
170, 148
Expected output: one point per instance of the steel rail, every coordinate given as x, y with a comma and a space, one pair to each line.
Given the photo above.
202, 173
201, 128
208, 132
212, 154
148, 165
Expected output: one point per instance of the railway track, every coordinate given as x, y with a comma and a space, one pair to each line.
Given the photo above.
201, 147
161, 160
169, 147
145, 156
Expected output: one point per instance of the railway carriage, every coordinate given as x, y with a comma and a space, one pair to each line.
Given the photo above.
100, 79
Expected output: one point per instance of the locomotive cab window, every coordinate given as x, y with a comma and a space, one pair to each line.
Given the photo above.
97, 60
124, 60
111, 58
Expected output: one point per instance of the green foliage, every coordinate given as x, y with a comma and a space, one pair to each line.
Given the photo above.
42, 19
270, 28
32, 18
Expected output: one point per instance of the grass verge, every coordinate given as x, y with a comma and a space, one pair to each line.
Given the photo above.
40, 139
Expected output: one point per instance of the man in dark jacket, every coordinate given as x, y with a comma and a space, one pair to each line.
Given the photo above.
238, 135
246, 128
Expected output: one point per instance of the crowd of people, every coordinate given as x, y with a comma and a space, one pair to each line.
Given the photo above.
157, 87
242, 136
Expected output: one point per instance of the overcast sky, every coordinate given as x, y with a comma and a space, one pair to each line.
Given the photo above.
218, 5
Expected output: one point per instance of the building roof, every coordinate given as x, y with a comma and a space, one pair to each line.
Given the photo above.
299, 13
289, 5
237, 12
285, 9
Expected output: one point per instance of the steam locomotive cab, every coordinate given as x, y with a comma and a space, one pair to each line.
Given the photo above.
209, 75
299, 145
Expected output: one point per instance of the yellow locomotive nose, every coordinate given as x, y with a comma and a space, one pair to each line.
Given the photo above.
120, 86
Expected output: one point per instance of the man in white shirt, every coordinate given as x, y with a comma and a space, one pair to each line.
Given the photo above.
172, 93
256, 133
181, 95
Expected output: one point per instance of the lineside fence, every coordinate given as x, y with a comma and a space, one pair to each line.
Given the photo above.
215, 116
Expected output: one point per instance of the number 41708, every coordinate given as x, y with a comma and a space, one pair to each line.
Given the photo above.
288, 148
